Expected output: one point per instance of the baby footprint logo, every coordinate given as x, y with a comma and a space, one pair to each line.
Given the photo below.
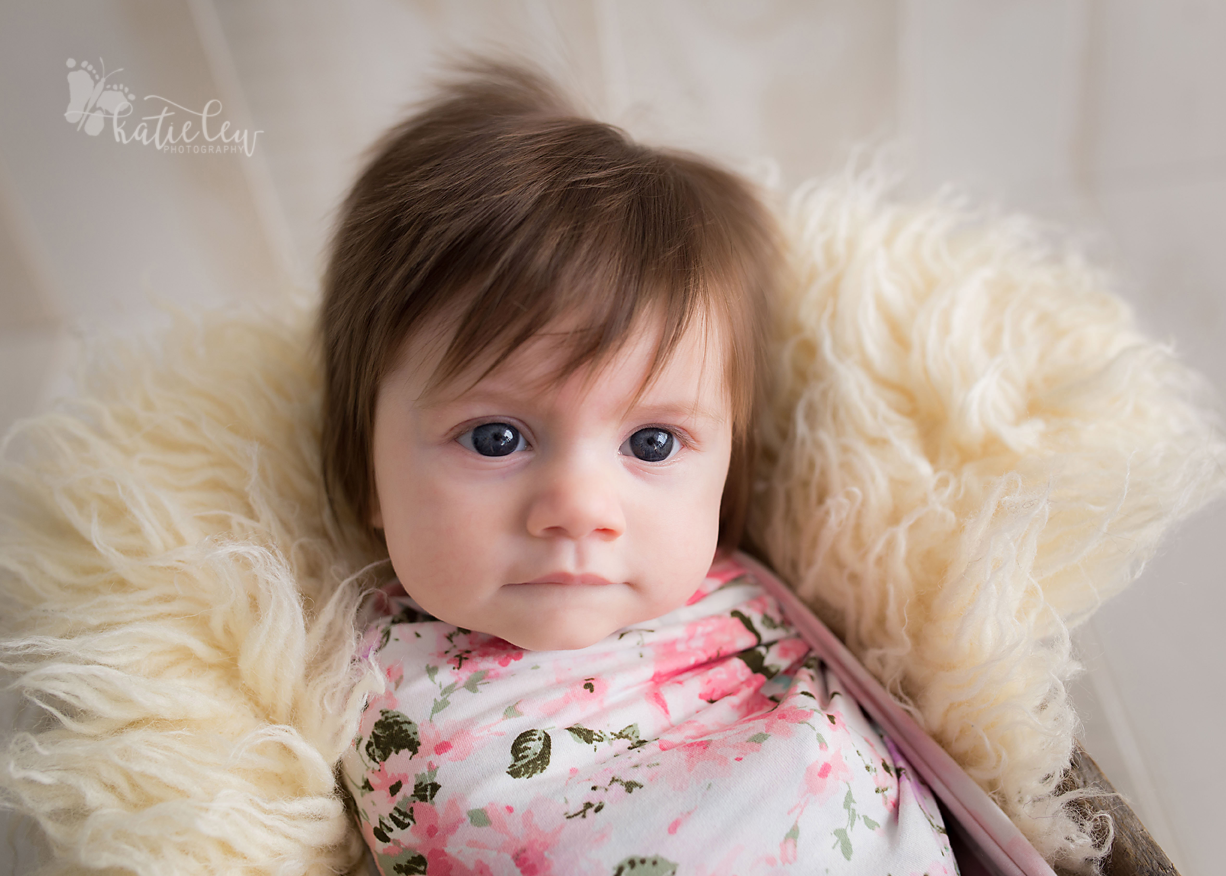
90, 101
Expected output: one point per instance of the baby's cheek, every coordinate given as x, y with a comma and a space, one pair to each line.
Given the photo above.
439, 545
676, 583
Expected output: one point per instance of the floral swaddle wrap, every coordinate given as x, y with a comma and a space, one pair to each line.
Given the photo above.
708, 741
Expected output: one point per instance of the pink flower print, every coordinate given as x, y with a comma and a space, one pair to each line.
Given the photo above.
746, 698
657, 699
482, 651
432, 834
739, 702
787, 848
761, 606
713, 757
790, 651
677, 823
725, 678
452, 742
527, 836
389, 782
721, 636
582, 695
394, 675
823, 777
784, 719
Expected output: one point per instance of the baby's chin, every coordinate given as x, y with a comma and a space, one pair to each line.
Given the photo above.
556, 639
572, 628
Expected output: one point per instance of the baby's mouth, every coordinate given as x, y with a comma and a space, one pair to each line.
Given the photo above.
567, 579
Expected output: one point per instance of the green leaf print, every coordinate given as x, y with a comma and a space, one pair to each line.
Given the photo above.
584, 735
470, 684
843, 842
755, 659
771, 624
410, 862
400, 818
444, 699
478, 818
759, 738
393, 732
588, 806
402, 815
869, 823
849, 804
629, 785
748, 624
644, 866
424, 786
630, 733
529, 754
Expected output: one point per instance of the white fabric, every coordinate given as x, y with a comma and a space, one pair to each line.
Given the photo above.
710, 740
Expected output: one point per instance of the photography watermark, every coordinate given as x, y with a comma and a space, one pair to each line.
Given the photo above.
93, 103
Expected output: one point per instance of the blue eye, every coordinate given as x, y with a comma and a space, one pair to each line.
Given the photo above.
493, 439
651, 444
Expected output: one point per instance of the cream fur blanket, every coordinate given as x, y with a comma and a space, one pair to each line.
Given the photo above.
971, 447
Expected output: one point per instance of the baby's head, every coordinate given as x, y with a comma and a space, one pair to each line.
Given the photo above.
544, 352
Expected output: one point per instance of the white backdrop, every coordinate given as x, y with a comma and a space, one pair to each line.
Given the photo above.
1107, 116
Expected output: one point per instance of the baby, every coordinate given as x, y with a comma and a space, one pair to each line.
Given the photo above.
544, 350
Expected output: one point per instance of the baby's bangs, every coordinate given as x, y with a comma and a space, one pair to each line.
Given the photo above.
494, 214
597, 255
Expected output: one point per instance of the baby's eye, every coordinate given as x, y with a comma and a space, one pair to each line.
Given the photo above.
652, 444
493, 439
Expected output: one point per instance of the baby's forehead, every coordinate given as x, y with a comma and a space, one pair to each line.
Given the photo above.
567, 353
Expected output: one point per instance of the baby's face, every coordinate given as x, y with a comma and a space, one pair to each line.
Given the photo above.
552, 514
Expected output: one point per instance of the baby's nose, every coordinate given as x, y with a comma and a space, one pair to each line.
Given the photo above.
577, 497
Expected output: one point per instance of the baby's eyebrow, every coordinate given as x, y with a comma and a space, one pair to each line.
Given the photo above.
652, 402
443, 397
676, 411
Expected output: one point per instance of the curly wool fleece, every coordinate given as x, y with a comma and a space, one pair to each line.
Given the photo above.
971, 447
181, 611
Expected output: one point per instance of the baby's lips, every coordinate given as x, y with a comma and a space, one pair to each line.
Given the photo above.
571, 579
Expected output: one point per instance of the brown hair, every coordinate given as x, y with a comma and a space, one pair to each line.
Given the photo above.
498, 203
